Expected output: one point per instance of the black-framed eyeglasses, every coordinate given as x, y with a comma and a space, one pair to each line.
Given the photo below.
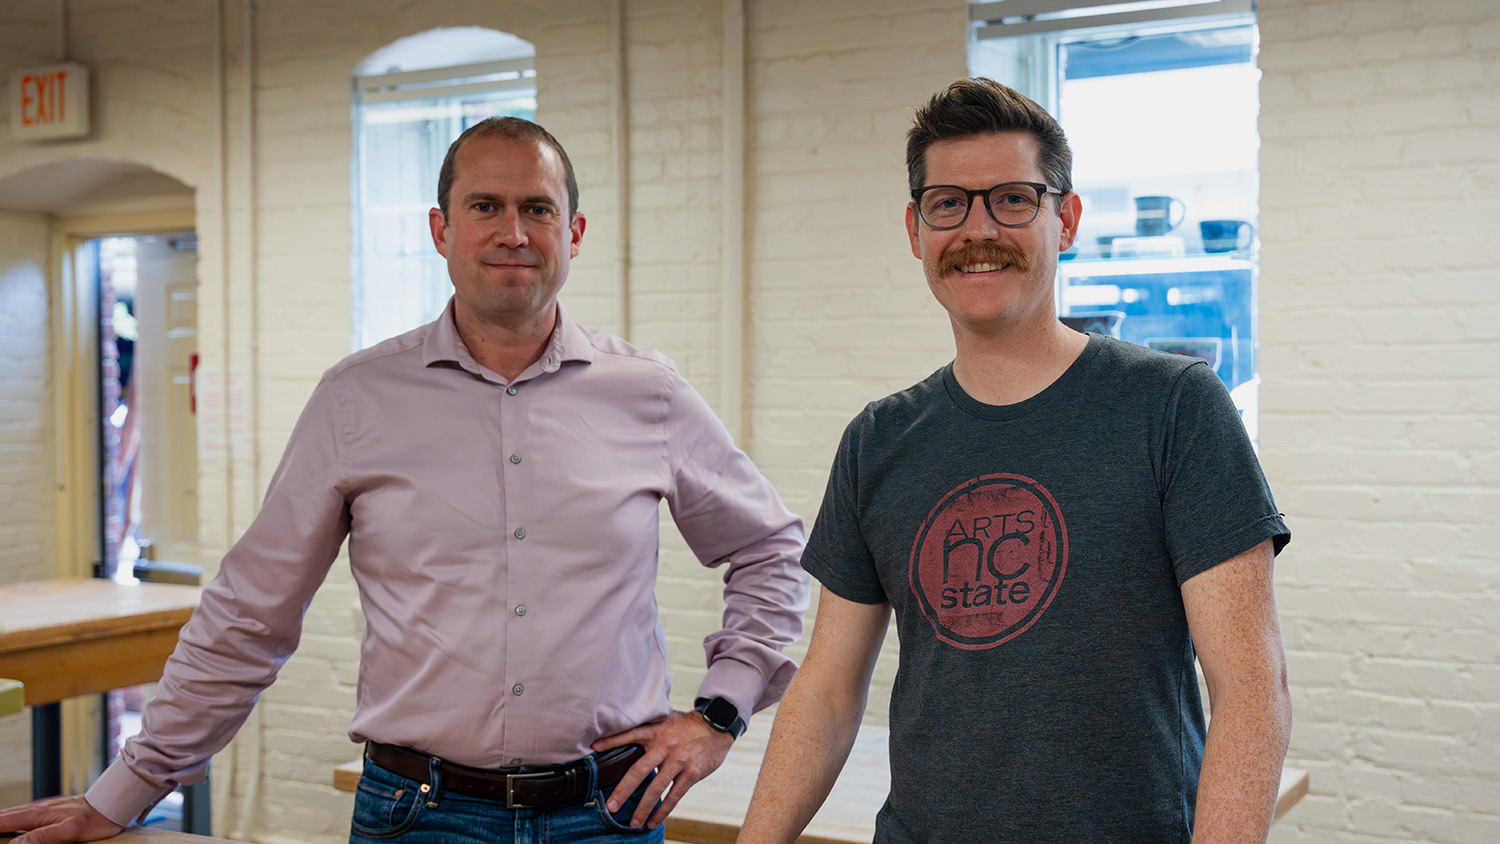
1011, 204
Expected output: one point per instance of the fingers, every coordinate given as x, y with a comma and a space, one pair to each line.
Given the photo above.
636, 735
679, 788
690, 751
22, 817
69, 830
12, 820
665, 776
56, 821
682, 750
45, 835
630, 782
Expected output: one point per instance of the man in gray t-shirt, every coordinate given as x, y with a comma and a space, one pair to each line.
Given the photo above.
1059, 524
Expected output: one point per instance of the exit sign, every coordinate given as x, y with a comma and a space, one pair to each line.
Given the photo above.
49, 102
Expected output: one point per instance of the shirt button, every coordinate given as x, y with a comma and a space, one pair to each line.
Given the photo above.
510, 390
515, 458
515, 762
517, 689
520, 610
520, 533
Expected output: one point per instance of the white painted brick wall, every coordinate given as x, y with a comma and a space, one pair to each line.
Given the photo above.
1381, 407
26, 541
676, 114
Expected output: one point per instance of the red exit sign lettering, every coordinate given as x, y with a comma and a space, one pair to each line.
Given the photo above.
49, 102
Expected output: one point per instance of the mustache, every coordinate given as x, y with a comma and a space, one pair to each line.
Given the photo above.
984, 253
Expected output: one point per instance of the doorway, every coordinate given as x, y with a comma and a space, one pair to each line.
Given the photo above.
148, 362
51, 466
148, 484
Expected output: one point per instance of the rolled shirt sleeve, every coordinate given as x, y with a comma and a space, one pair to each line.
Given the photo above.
247, 624
732, 518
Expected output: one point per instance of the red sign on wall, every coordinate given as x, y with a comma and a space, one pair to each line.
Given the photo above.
49, 102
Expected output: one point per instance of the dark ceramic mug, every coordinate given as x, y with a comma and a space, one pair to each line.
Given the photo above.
1226, 235
1157, 215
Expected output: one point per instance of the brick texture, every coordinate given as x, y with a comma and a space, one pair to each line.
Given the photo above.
1379, 411
26, 544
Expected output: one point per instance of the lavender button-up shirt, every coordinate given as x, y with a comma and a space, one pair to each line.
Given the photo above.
504, 539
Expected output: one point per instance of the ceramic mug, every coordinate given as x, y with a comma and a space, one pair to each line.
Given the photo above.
1226, 235
1157, 215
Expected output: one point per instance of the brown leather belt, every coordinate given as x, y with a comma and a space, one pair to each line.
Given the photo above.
537, 787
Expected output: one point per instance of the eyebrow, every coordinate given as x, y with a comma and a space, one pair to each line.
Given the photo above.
478, 196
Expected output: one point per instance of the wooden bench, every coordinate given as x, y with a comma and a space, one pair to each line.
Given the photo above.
713, 810
12, 697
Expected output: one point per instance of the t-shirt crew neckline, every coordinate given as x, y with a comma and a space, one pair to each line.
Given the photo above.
1065, 385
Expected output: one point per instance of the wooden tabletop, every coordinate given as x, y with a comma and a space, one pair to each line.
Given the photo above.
712, 812
76, 636
147, 835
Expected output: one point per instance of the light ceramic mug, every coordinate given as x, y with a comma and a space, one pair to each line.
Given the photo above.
1157, 215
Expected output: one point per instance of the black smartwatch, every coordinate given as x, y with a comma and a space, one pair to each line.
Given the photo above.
721, 715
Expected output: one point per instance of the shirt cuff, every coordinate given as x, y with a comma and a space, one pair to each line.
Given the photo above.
122, 796
736, 682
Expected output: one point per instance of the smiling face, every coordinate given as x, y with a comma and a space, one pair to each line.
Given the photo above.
990, 278
508, 237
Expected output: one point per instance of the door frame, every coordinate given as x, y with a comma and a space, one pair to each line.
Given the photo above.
73, 291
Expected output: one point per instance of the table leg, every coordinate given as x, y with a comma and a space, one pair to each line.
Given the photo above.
46, 750
197, 811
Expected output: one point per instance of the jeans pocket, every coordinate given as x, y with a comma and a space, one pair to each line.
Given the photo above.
385, 808
620, 820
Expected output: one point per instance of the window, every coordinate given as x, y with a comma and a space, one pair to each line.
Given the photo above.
1159, 101
411, 99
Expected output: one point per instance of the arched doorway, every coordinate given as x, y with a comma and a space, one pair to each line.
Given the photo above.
97, 295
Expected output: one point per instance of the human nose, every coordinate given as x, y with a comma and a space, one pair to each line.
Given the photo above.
980, 223
509, 230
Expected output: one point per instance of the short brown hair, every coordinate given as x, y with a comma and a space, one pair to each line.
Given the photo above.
981, 106
516, 129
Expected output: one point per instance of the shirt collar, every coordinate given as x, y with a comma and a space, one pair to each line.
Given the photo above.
569, 342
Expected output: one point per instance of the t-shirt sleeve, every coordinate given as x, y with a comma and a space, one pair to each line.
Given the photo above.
1215, 500
837, 554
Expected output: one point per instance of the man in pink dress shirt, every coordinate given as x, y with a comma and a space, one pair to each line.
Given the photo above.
497, 474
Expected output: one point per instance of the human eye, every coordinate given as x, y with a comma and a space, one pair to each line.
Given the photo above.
944, 203
538, 210
483, 207
1012, 196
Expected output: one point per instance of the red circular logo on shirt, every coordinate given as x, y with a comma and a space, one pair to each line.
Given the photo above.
988, 560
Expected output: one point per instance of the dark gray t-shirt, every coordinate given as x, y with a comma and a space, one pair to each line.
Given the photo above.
1033, 556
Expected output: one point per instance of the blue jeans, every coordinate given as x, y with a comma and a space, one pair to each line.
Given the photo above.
390, 808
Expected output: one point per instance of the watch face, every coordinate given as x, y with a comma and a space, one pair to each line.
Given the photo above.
720, 714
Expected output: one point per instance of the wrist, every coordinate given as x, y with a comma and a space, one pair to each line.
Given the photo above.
720, 714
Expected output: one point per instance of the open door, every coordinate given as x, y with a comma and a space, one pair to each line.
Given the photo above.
162, 515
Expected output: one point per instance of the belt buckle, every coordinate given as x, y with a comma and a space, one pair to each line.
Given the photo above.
510, 788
